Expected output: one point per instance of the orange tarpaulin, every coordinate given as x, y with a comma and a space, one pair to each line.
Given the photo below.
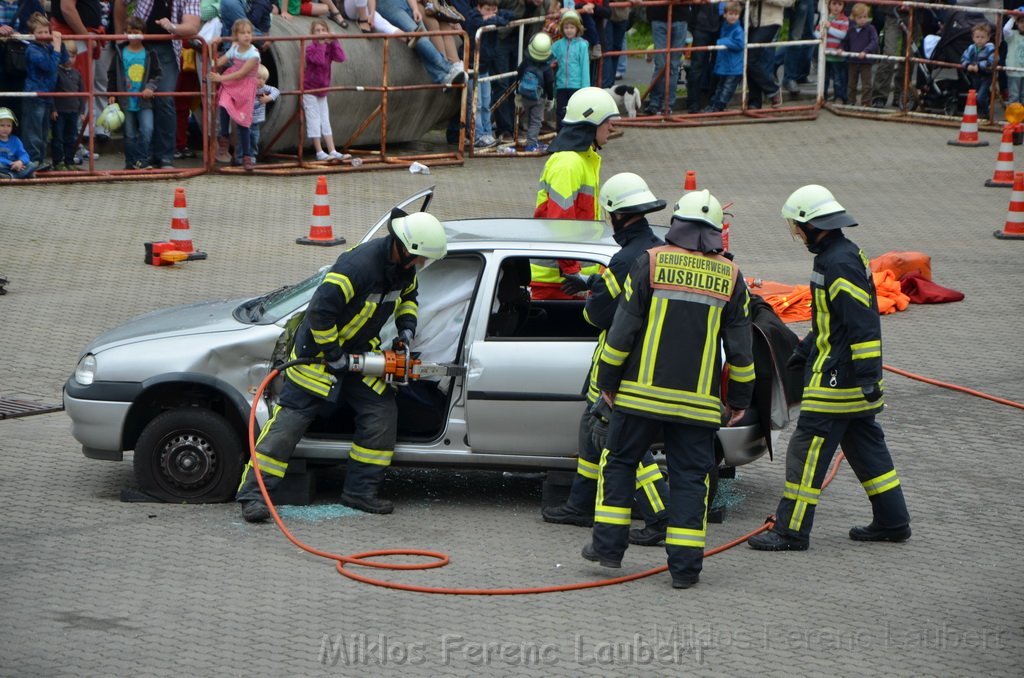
890, 296
792, 303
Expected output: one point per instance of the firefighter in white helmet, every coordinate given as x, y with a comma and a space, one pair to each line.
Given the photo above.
627, 200
366, 286
842, 361
660, 371
571, 176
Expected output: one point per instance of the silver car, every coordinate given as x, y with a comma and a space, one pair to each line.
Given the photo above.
176, 385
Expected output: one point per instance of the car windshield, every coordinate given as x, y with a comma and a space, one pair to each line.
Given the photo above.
283, 301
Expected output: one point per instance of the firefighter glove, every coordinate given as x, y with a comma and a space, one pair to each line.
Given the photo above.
339, 365
872, 392
602, 414
575, 283
403, 340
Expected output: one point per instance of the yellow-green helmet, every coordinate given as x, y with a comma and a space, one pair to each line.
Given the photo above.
539, 48
701, 207
815, 205
590, 105
573, 17
628, 193
421, 233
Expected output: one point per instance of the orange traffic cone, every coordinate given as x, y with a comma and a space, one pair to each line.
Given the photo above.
1003, 176
690, 183
1014, 228
969, 126
181, 237
320, 231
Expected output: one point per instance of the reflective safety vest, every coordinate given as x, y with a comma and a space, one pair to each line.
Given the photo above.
357, 296
661, 356
568, 190
844, 346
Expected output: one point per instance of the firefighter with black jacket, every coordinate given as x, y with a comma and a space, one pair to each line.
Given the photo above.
660, 370
842, 358
365, 287
627, 200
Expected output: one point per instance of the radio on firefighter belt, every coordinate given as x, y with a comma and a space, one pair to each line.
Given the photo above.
399, 366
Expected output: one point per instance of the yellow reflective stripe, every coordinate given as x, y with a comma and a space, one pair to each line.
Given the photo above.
369, 456
545, 270
806, 480
844, 285
832, 407
668, 409
614, 515
652, 338
587, 469
821, 326
328, 336
315, 384
612, 355
611, 283
797, 492
356, 324
376, 384
682, 536
866, 349
670, 394
709, 353
741, 374
629, 288
882, 483
407, 308
271, 466
342, 282
646, 477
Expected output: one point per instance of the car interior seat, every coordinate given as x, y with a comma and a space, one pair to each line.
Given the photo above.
513, 299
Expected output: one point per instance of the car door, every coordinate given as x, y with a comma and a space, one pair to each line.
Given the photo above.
526, 377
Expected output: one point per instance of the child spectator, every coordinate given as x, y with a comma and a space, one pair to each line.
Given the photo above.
729, 61
14, 160
536, 87
486, 13
321, 52
572, 60
836, 27
68, 113
978, 61
1013, 36
236, 95
862, 38
264, 95
42, 58
135, 68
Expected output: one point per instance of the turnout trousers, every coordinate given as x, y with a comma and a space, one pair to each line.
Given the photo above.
808, 456
650, 489
373, 444
690, 453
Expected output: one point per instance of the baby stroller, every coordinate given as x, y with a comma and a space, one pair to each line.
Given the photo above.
943, 89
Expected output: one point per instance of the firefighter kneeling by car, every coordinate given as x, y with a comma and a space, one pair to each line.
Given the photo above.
365, 287
660, 371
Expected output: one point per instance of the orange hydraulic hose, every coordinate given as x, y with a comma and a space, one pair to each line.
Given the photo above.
438, 559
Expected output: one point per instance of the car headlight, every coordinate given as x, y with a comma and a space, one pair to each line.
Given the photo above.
85, 372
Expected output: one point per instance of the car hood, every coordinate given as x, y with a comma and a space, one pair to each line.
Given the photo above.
200, 318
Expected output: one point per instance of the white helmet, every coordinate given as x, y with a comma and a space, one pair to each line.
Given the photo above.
591, 105
628, 193
112, 117
815, 205
540, 47
701, 207
421, 234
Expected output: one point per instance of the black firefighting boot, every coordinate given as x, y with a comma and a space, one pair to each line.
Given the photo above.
774, 541
588, 553
566, 515
873, 532
362, 482
652, 534
684, 582
255, 511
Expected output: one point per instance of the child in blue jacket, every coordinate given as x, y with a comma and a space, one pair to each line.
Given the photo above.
571, 54
978, 61
729, 61
42, 58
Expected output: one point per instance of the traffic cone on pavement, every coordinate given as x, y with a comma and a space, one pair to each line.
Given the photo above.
1014, 228
181, 236
1003, 175
320, 231
969, 126
690, 183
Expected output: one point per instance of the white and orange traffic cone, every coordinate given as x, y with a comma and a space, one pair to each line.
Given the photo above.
321, 232
181, 236
969, 125
1014, 228
1003, 175
690, 182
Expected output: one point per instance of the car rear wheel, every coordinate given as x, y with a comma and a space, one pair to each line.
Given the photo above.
189, 455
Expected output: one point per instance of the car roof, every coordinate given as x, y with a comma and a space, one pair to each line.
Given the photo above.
493, 231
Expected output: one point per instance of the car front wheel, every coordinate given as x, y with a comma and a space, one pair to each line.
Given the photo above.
189, 455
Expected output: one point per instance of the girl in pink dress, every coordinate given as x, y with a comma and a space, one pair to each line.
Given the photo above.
236, 95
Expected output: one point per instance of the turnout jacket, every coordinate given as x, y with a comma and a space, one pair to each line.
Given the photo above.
661, 355
634, 240
844, 347
357, 296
